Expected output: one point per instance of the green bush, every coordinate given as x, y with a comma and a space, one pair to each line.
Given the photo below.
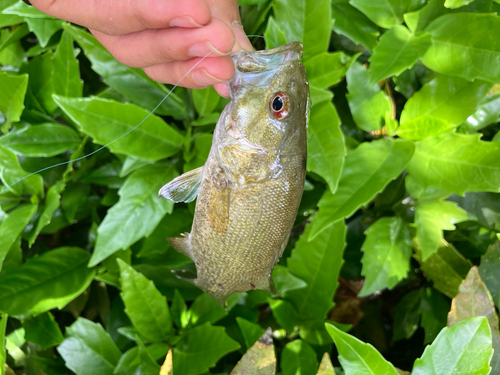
396, 236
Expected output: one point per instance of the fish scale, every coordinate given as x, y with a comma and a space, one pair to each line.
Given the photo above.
249, 190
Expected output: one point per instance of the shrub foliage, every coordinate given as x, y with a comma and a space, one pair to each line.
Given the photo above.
393, 262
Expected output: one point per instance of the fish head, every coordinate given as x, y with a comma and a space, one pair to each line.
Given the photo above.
270, 97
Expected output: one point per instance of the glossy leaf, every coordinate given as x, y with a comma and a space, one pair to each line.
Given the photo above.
12, 96
407, 316
326, 150
88, 349
43, 28
468, 40
251, 332
356, 357
397, 50
298, 357
205, 100
205, 309
385, 13
459, 163
433, 309
447, 268
318, 263
15, 178
41, 140
107, 122
463, 348
486, 114
43, 283
285, 280
327, 69
490, 263
145, 306
43, 330
201, 348
350, 22
132, 83
369, 106
387, 252
259, 359
311, 23
67, 81
21, 9
367, 170
456, 3
431, 218
423, 127
138, 199
3, 354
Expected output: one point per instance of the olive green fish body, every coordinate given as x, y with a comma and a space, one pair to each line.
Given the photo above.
250, 187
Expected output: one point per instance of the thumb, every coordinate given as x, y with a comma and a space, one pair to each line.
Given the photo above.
228, 12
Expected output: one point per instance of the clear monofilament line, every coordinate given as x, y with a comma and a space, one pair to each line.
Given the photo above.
7, 186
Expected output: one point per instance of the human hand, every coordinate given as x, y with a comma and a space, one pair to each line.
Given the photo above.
164, 37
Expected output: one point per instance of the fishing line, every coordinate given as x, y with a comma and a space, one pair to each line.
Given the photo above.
7, 187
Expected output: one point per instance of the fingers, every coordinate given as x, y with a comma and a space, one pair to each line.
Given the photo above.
114, 17
209, 72
153, 47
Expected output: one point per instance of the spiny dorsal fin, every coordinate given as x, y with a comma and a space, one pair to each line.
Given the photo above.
183, 188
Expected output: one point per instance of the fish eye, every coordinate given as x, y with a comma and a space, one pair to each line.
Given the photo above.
279, 105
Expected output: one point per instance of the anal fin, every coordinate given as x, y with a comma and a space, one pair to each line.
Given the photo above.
183, 188
182, 245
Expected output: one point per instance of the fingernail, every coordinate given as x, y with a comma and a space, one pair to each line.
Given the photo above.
241, 37
203, 78
202, 49
184, 21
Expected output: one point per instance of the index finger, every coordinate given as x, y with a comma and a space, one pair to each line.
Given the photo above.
117, 17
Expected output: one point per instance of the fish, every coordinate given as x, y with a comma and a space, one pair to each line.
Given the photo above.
249, 189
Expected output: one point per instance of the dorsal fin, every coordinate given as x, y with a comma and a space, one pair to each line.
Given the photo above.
183, 188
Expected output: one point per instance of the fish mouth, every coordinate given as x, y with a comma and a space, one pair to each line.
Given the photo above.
260, 61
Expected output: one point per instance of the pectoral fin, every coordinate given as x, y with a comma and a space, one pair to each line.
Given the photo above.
183, 188
182, 245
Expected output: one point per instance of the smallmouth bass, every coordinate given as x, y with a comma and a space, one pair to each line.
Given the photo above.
251, 185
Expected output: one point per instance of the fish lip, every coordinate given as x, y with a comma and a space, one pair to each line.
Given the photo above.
260, 61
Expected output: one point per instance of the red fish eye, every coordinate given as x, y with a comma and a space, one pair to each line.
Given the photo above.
279, 105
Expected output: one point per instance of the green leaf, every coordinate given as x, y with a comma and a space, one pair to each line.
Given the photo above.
486, 114
406, 316
16, 179
52, 203
463, 348
132, 83
3, 354
12, 97
367, 170
12, 226
387, 251
473, 299
88, 349
67, 81
317, 263
423, 127
305, 21
50, 280
353, 24
41, 85
202, 146
454, 167
356, 357
369, 106
251, 332
327, 69
42, 140
385, 13
274, 34
205, 100
464, 46
453, 4
488, 269
124, 223
205, 309
447, 268
285, 280
259, 359
446, 98
298, 357
397, 50
21, 9
44, 28
325, 141
284, 313
107, 121
145, 306
43, 330
200, 348
140, 359
431, 218
433, 309
8, 20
